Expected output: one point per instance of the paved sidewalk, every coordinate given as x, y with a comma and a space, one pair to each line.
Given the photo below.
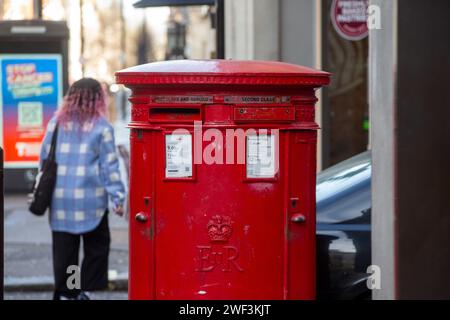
27, 246
48, 295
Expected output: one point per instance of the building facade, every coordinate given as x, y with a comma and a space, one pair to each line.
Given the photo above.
302, 32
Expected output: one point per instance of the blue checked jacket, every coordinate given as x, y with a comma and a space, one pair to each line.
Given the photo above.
88, 172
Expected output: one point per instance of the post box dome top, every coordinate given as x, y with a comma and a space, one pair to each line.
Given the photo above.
222, 72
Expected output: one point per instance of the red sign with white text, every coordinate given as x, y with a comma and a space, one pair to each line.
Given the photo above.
30, 92
349, 18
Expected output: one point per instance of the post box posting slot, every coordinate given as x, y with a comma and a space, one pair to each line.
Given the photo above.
175, 114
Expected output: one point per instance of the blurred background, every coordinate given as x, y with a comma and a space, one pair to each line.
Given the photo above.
389, 94
95, 38
70, 39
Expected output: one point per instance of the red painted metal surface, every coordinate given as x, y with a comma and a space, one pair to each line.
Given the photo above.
218, 233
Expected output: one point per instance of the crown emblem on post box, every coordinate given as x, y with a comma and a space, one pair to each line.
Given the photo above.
219, 228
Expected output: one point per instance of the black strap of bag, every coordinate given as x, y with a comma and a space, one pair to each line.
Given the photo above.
52, 152
44, 185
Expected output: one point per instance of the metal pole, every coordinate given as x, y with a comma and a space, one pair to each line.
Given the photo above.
220, 29
81, 39
123, 48
123, 38
37, 9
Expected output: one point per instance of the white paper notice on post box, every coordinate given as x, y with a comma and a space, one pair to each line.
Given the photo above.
178, 156
260, 160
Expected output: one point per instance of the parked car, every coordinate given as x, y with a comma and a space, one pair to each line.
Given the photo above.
343, 195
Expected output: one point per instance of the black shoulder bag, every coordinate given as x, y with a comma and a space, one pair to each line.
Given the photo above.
41, 196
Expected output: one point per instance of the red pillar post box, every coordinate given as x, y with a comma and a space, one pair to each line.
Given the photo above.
222, 179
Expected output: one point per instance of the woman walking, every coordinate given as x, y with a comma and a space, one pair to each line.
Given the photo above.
88, 174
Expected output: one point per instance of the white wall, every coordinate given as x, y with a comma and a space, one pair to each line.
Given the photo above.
283, 30
251, 29
298, 32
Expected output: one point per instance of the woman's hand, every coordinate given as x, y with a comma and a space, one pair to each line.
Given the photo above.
119, 210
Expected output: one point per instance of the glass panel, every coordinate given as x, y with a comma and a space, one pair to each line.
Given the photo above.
347, 95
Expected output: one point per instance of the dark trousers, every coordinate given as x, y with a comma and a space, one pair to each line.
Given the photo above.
94, 268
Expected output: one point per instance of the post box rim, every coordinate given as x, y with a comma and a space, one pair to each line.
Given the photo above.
222, 72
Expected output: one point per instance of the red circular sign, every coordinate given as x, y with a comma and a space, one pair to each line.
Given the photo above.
349, 18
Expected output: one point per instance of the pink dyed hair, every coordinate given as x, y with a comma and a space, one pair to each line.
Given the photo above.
84, 102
